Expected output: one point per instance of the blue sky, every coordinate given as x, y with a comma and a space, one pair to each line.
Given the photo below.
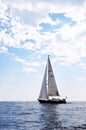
29, 32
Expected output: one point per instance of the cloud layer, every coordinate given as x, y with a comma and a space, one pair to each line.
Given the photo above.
44, 27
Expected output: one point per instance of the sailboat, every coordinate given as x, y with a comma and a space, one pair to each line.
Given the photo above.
49, 92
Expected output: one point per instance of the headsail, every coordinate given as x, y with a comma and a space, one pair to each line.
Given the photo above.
52, 87
43, 92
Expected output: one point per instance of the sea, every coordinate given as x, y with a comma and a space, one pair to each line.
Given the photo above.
36, 116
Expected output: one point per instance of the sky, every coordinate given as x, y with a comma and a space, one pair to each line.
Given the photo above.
30, 30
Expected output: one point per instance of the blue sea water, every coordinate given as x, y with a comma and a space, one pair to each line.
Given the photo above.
36, 116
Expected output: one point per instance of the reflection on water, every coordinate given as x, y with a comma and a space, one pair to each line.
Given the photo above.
63, 116
49, 118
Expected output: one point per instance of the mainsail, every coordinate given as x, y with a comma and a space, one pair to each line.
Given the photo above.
52, 87
49, 87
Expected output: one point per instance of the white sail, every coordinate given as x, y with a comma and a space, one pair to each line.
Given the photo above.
43, 92
52, 87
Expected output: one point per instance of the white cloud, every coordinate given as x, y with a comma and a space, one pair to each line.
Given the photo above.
3, 49
28, 69
20, 60
7, 40
3, 9
25, 62
29, 46
67, 43
28, 66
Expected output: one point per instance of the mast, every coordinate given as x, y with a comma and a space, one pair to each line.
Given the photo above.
52, 87
43, 92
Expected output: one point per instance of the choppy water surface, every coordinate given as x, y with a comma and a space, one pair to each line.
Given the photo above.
36, 116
